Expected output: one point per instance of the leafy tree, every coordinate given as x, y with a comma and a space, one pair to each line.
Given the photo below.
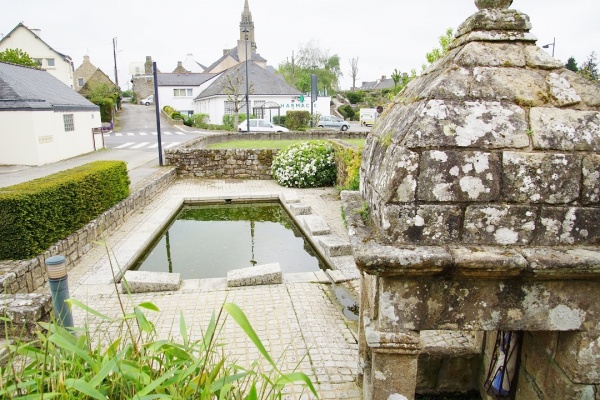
572, 64
105, 97
18, 56
354, 71
312, 60
445, 41
589, 69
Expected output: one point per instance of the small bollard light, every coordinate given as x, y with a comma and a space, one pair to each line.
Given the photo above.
56, 267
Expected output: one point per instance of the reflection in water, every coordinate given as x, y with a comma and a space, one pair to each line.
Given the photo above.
207, 241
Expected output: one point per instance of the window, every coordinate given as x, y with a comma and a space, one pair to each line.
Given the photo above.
182, 92
229, 108
80, 82
69, 124
50, 62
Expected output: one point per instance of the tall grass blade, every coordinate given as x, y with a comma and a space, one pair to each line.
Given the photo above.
298, 377
88, 309
183, 329
84, 387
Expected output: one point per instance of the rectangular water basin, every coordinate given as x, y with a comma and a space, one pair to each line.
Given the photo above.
206, 241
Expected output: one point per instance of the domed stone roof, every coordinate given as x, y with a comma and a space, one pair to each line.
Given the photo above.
495, 144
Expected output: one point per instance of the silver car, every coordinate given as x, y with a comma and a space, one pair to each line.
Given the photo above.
332, 122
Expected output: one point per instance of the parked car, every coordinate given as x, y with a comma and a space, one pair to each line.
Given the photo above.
148, 100
261, 125
332, 122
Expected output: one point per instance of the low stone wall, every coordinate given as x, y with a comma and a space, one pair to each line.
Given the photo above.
195, 160
25, 276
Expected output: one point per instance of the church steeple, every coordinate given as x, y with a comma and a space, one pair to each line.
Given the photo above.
247, 24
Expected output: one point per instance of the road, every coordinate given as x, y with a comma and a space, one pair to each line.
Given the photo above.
137, 131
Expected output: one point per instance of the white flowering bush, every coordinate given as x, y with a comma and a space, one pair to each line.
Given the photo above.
308, 164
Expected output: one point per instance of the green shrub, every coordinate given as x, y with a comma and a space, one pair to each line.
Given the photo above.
279, 120
308, 164
228, 121
176, 115
355, 97
348, 162
347, 111
199, 120
38, 213
296, 120
168, 110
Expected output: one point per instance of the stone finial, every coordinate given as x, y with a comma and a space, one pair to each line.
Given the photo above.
482, 4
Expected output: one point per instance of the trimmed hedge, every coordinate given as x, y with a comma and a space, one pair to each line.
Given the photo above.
295, 120
38, 213
347, 160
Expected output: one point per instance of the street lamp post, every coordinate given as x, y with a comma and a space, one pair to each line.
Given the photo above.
247, 96
553, 44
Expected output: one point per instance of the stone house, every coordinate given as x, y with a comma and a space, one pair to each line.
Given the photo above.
87, 74
57, 64
42, 120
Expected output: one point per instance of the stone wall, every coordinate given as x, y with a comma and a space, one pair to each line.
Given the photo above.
195, 160
25, 276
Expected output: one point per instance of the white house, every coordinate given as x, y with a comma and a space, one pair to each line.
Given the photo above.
269, 95
42, 120
57, 64
179, 90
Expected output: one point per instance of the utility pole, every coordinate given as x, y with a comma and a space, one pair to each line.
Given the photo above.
115, 57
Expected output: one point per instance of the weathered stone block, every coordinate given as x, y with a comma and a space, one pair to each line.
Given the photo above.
146, 281
482, 124
549, 378
561, 90
564, 129
267, 274
538, 58
396, 177
590, 94
591, 179
517, 85
494, 19
314, 224
499, 224
300, 209
477, 54
426, 224
567, 226
333, 246
541, 177
459, 176
577, 354
487, 261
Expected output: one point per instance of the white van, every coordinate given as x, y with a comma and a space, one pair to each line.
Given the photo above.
367, 116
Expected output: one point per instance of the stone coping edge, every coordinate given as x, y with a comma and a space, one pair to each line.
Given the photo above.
464, 260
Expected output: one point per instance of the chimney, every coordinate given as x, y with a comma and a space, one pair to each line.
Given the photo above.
86, 59
179, 64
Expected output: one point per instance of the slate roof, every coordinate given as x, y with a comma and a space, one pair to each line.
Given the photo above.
25, 88
190, 79
262, 82
378, 84
234, 53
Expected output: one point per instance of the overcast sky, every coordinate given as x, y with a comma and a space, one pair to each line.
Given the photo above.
383, 34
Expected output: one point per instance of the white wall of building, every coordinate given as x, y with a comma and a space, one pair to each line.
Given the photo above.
23, 39
166, 97
39, 137
215, 106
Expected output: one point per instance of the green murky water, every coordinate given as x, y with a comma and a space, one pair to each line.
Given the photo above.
207, 241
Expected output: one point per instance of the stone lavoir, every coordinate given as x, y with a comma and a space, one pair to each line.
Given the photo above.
482, 186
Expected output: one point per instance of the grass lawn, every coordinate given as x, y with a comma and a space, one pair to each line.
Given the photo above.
355, 142
270, 144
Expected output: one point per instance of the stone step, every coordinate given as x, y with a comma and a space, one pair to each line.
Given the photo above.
266, 274
300, 209
333, 246
315, 225
146, 281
